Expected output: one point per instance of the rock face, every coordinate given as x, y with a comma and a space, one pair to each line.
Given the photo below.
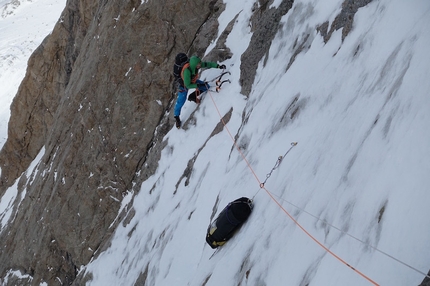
344, 20
265, 24
92, 98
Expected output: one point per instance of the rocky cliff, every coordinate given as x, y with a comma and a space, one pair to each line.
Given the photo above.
96, 99
93, 100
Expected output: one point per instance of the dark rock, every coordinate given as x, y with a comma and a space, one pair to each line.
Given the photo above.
426, 281
95, 98
265, 25
344, 20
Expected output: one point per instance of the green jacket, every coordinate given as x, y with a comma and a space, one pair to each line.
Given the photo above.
190, 73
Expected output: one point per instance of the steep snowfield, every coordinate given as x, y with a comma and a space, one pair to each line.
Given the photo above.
359, 112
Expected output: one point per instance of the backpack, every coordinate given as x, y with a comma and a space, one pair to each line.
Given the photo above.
180, 60
228, 222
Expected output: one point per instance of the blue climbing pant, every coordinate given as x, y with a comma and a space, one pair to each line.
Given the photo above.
182, 96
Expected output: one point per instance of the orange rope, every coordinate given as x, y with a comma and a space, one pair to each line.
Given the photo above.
285, 211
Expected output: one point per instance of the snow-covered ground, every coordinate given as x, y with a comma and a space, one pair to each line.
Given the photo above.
347, 206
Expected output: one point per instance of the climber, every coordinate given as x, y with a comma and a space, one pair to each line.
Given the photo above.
228, 221
189, 78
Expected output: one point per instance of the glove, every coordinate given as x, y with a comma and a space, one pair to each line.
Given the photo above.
222, 67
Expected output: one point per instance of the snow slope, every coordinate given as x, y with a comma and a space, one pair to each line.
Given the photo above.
356, 183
